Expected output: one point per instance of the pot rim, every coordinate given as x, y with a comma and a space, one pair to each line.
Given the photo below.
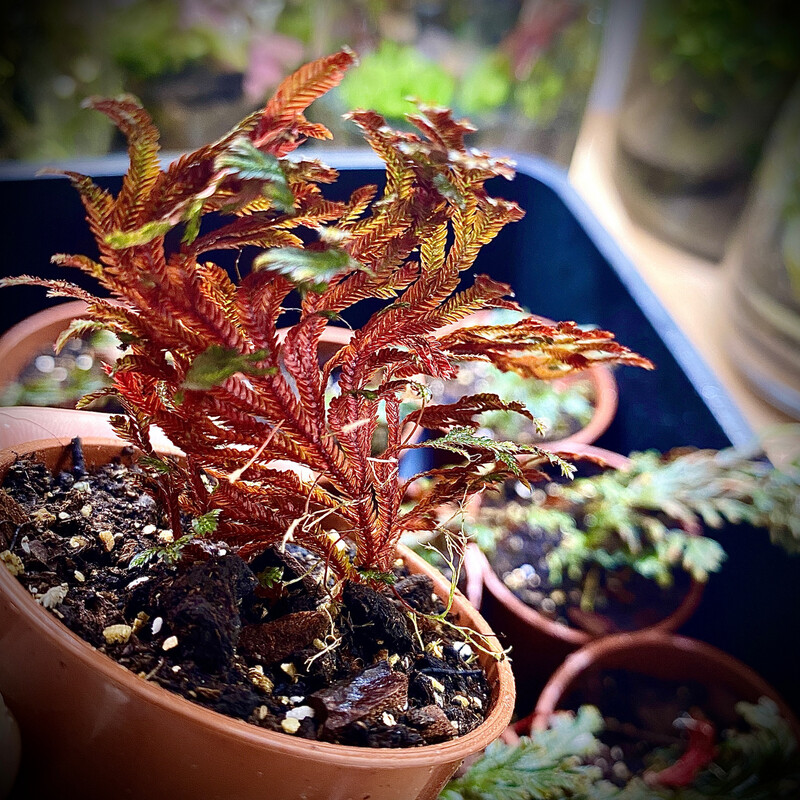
576, 636
498, 672
20, 342
723, 665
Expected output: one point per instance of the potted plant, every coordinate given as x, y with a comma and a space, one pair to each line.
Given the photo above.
677, 719
619, 550
315, 556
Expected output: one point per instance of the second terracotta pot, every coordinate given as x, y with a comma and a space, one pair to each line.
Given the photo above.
538, 644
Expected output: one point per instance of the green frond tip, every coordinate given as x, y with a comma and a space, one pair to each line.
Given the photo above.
542, 767
144, 234
216, 364
463, 440
76, 328
245, 161
311, 270
376, 576
207, 523
169, 553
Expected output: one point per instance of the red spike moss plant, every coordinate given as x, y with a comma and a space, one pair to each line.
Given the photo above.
205, 364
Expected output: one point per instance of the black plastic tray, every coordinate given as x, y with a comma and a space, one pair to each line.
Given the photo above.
563, 265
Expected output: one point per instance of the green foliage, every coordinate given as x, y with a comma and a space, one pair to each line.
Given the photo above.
542, 767
628, 518
215, 365
171, 552
244, 160
270, 577
312, 270
486, 85
465, 442
736, 43
393, 73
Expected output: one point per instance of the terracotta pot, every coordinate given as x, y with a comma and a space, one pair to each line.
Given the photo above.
88, 722
660, 655
27, 425
10, 748
538, 644
604, 389
20, 344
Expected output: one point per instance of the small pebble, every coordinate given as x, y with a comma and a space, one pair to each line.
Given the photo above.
79, 576
261, 713
620, 771
290, 669
558, 597
169, 643
148, 529
437, 685
63, 515
290, 725
43, 517
13, 562
165, 536
54, 596
463, 650
177, 668
86, 511
81, 486
117, 634
156, 626
387, 719
78, 541
107, 538
301, 712
461, 700
258, 678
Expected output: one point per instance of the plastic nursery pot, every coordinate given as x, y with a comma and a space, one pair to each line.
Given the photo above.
538, 644
659, 655
88, 722
20, 345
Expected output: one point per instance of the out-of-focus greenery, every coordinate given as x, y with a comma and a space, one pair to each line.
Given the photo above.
55, 53
746, 46
391, 74
759, 762
511, 65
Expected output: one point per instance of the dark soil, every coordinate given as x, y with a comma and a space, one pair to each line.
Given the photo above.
624, 600
639, 717
260, 641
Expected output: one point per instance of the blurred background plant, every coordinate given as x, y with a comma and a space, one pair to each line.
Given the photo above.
707, 82
520, 69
